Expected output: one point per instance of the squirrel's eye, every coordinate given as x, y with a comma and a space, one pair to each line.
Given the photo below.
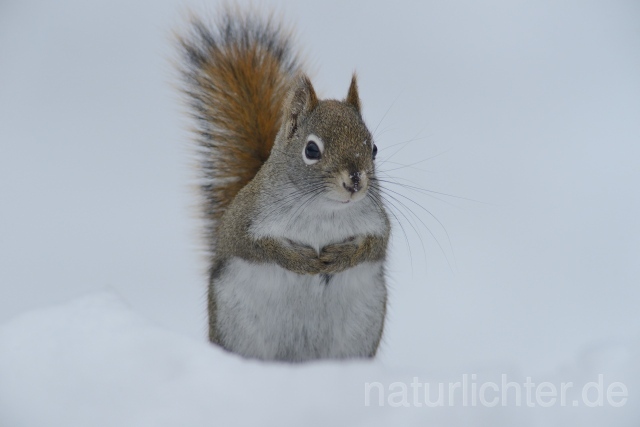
312, 151
375, 151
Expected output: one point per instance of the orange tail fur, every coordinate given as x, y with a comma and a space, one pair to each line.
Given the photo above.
236, 76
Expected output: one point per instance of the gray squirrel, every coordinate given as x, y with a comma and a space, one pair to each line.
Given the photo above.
296, 225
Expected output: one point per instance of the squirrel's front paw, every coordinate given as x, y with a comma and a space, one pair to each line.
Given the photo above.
305, 261
338, 257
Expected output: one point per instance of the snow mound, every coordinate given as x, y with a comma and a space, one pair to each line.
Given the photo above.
94, 362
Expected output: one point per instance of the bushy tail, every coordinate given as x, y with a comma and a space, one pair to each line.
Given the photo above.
236, 75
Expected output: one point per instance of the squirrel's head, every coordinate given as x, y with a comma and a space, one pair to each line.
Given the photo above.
328, 147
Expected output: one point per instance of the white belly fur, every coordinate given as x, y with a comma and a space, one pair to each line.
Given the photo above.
267, 312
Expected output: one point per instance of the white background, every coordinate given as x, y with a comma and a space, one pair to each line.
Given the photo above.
531, 109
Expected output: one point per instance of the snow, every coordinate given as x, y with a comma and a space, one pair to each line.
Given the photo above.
529, 108
94, 361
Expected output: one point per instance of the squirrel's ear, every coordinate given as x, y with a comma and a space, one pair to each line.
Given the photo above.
301, 101
352, 97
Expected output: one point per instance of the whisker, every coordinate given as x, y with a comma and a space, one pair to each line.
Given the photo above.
426, 192
385, 113
422, 222
411, 219
284, 201
418, 190
406, 166
403, 142
420, 161
377, 199
404, 145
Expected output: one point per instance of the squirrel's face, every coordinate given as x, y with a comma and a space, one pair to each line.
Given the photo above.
329, 149
335, 151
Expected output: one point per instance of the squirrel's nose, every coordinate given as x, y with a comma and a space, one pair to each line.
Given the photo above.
352, 184
350, 188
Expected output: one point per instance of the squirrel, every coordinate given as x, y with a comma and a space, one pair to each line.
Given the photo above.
295, 223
